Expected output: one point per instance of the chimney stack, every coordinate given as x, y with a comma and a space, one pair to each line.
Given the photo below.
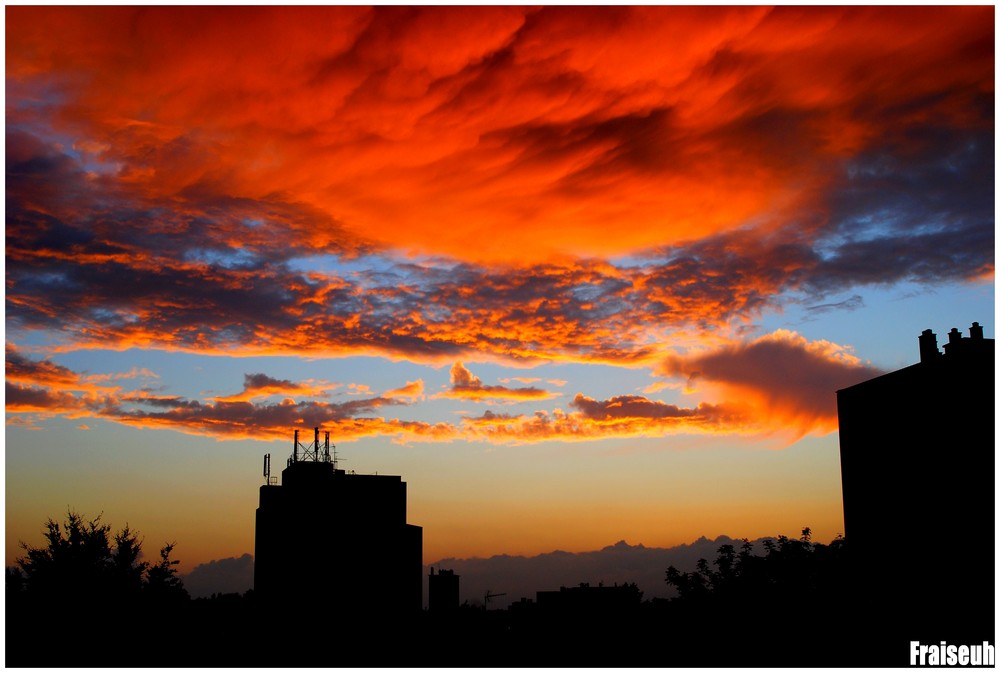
976, 331
928, 346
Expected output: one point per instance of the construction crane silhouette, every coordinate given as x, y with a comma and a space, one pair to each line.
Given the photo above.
488, 596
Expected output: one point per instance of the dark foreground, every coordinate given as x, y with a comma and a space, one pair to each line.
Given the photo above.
234, 631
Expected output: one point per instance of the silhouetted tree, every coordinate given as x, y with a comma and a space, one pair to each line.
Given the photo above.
789, 569
162, 582
83, 562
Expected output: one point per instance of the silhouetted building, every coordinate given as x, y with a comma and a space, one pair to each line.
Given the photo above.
917, 464
442, 591
334, 540
585, 599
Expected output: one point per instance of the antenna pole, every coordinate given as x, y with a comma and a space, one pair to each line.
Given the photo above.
295, 448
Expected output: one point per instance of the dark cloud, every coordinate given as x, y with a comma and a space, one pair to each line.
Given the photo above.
220, 576
792, 380
918, 207
20, 398
255, 381
23, 369
850, 304
627, 406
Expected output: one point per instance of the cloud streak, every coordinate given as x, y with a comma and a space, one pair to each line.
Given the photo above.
779, 383
262, 385
467, 386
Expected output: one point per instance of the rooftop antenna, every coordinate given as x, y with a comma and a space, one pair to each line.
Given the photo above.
326, 450
295, 448
267, 468
488, 596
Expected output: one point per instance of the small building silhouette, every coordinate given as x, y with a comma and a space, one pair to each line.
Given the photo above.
917, 459
442, 591
585, 599
335, 540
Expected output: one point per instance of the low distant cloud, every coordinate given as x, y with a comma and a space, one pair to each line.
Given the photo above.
777, 383
627, 407
790, 383
261, 385
266, 421
468, 386
221, 576
21, 399
413, 390
22, 369
222, 419
490, 418
624, 416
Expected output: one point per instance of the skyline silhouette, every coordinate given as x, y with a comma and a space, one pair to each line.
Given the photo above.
577, 275
335, 547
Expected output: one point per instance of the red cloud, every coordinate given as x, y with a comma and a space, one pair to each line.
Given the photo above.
631, 127
790, 382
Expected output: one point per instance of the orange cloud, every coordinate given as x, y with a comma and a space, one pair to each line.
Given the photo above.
20, 369
32, 399
446, 184
788, 382
412, 390
625, 416
468, 386
261, 385
224, 419
672, 122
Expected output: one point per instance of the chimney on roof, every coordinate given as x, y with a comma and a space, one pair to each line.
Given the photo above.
976, 331
928, 346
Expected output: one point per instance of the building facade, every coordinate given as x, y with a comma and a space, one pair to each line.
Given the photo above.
336, 540
917, 450
442, 591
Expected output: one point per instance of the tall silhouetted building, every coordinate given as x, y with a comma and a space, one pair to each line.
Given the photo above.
442, 591
334, 541
917, 463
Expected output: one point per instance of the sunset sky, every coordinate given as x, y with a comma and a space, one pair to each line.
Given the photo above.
577, 274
